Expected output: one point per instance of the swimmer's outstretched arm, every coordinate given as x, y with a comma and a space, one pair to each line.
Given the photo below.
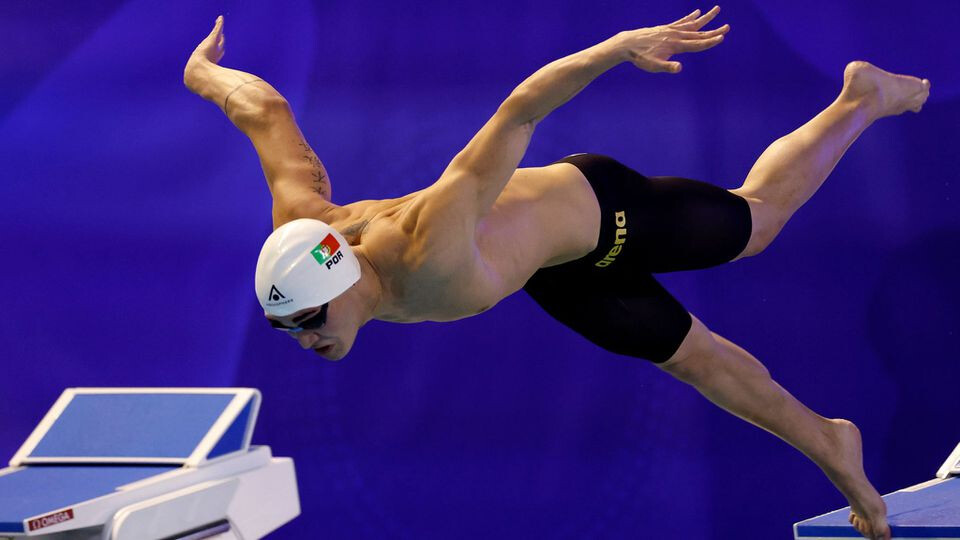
477, 175
297, 179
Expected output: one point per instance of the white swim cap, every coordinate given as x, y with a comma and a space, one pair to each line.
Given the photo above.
304, 263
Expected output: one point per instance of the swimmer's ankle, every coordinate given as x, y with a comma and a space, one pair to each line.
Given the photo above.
864, 105
844, 458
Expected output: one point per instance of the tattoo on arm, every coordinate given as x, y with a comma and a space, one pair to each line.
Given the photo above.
321, 185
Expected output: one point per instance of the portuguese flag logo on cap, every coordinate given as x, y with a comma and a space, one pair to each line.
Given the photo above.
325, 249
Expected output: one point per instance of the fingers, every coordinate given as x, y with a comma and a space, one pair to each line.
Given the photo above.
218, 37
686, 34
214, 34
212, 46
706, 18
699, 44
699, 22
217, 31
686, 19
663, 66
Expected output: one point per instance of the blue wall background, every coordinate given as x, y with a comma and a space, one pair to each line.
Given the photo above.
133, 213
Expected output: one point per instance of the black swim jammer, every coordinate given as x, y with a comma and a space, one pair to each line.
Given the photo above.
647, 225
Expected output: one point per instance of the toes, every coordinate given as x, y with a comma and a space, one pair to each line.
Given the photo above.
859, 525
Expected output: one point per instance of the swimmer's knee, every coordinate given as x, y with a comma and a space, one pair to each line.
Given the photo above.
695, 354
767, 221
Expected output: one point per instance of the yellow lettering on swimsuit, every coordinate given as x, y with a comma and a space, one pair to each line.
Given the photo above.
620, 238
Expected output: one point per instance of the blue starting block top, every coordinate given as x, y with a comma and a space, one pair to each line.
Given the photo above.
94, 441
927, 510
34, 491
142, 426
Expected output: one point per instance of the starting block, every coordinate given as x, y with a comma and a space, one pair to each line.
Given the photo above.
147, 463
928, 510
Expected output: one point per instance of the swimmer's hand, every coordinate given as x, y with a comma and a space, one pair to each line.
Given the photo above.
198, 71
650, 49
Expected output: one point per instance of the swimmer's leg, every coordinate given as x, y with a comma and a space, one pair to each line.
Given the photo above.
734, 380
297, 179
791, 170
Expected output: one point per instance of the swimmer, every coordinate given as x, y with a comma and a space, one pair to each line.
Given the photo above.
582, 235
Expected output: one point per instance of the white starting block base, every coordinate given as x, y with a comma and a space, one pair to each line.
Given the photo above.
243, 493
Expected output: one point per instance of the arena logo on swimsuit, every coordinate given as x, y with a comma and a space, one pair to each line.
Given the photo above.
621, 237
327, 252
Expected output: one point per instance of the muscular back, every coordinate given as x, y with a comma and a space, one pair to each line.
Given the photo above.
544, 216
485, 226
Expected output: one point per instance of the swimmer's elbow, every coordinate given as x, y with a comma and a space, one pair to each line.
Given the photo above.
259, 109
519, 109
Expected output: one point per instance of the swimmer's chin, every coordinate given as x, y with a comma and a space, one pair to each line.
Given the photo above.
331, 352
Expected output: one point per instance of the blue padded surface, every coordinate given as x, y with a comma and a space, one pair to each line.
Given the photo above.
232, 439
39, 490
931, 512
132, 425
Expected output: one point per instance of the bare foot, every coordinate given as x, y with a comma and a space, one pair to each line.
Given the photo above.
885, 93
868, 512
